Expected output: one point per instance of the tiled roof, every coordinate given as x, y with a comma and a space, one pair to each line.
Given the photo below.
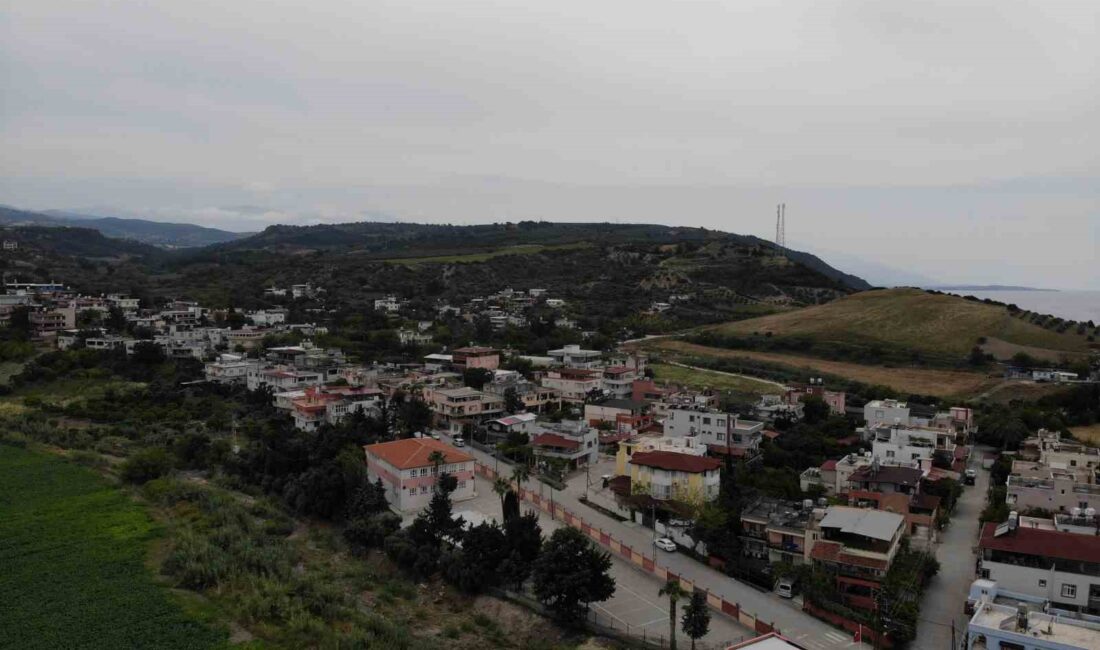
672, 461
1043, 543
414, 452
828, 465
554, 440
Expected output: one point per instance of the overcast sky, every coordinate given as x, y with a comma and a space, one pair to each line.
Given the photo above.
954, 139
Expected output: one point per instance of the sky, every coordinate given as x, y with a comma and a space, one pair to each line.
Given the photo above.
950, 140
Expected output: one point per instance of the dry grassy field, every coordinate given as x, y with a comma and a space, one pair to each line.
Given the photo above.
915, 320
923, 381
1090, 434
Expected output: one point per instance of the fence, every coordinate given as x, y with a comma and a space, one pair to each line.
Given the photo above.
639, 560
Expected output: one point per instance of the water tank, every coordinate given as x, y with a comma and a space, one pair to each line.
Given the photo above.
807, 504
1076, 512
822, 501
1090, 513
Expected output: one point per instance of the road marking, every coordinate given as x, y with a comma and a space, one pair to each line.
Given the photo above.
838, 637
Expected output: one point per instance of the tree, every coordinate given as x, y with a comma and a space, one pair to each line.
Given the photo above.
502, 488
696, 620
674, 591
439, 516
436, 458
146, 465
520, 474
512, 402
570, 574
814, 409
474, 567
476, 378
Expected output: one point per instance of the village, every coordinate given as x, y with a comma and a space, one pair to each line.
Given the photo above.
645, 468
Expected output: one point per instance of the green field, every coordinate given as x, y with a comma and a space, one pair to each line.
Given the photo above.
525, 249
701, 379
909, 319
72, 552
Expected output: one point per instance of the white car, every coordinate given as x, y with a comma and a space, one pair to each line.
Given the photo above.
459, 442
665, 544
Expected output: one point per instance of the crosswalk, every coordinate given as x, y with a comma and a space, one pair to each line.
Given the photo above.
826, 641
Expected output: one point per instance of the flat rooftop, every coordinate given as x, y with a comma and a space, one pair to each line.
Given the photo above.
1051, 629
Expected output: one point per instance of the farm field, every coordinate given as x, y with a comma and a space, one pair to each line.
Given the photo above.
911, 319
700, 379
922, 381
1089, 434
73, 550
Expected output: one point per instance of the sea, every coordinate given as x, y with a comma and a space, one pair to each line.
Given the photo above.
1070, 305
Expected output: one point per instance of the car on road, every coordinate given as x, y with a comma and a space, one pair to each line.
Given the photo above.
665, 544
459, 441
969, 476
435, 435
786, 587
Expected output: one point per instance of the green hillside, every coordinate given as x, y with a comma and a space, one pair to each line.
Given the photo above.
939, 326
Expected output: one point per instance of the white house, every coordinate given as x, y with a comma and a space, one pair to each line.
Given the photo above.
409, 474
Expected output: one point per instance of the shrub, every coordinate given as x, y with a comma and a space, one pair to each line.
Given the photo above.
145, 466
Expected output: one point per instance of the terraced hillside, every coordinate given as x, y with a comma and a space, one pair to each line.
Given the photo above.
938, 327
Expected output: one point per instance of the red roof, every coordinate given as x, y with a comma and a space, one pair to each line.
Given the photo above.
828, 466
771, 434
554, 440
414, 452
672, 461
1044, 543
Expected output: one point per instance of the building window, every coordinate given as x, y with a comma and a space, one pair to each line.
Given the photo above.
461, 484
423, 489
1069, 591
706, 420
889, 454
1042, 583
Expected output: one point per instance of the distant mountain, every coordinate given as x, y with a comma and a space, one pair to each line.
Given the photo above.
156, 233
877, 273
66, 241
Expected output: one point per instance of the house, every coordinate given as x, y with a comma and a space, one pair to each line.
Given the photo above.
476, 357
500, 428
320, 405
1057, 560
406, 469
639, 444
576, 443
268, 317
885, 412
573, 356
281, 378
834, 399
1036, 485
857, 546
609, 410
246, 338
669, 475
229, 369
889, 479
535, 398
911, 446
773, 407
897, 489
389, 304
413, 337
834, 475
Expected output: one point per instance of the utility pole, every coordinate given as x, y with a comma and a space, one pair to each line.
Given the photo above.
953, 634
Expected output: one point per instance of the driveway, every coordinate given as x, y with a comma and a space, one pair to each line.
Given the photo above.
945, 596
785, 615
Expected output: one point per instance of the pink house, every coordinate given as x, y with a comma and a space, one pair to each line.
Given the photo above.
409, 475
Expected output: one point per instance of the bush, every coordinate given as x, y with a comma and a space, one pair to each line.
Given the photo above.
145, 466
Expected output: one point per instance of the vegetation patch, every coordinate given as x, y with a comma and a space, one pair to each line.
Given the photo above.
523, 249
703, 379
73, 551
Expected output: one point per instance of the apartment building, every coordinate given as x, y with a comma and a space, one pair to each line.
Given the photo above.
575, 442
834, 475
898, 490
535, 398
1034, 485
409, 474
910, 446
647, 443
774, 530
453, 408
885, 412
574, 384
618, 381
722, 432
281, 378
857, 546
476, 357
816, 388
573, 356
246, 338
1057, 560
1000, 626
230, 369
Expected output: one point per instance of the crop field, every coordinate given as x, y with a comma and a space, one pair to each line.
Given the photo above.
700, 379
911, 319
72, 550
922, 381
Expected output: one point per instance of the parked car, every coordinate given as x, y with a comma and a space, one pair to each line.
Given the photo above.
786, 587
969, 476
665, 544
435, 435
459, 441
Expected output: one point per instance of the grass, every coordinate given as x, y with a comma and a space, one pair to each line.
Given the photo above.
9, 369
700, 379
919, 381
908, 319
1089, 434
73, 551
524, 249
61, 392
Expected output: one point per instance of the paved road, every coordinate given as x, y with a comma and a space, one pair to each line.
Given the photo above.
786, 615
635, 607
946, 594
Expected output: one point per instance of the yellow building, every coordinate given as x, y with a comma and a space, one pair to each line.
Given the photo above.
665, 475
628, 448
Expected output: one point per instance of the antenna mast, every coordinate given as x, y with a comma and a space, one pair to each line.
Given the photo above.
780, 228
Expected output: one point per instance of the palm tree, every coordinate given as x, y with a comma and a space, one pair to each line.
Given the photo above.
674, 592
520, 473
501, 487
436, 458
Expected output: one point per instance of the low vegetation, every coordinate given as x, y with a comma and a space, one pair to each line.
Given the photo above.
704, 379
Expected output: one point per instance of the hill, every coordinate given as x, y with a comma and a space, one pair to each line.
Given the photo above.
68, 241
156, 233
924, 326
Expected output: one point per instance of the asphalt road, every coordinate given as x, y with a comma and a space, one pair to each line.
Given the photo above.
945, 596
786, 615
